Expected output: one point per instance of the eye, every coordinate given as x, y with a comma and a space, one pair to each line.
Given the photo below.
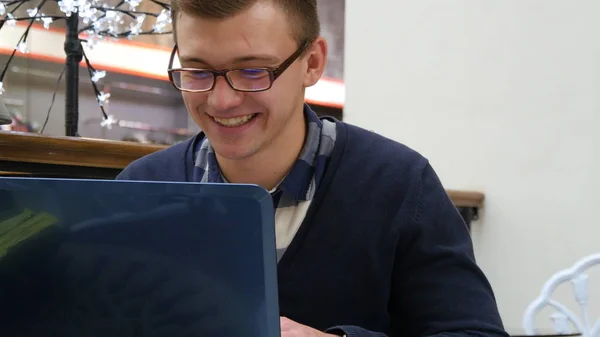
253, 73
199, 75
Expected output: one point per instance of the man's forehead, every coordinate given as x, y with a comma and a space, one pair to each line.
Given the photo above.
207, 50
213, 61
213, 48
253, 34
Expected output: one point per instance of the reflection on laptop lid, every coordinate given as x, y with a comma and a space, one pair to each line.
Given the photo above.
122, 258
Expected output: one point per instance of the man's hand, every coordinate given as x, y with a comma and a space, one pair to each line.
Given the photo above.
290, 328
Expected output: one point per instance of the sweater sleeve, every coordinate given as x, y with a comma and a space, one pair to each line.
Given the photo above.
437, 288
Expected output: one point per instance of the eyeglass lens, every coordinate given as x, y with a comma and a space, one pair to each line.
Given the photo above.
240, 79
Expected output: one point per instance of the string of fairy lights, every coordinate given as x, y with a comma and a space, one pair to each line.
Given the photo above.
98, 21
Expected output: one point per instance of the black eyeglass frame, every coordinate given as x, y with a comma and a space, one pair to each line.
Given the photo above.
274, 73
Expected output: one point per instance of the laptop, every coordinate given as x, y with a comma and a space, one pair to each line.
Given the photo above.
128, 258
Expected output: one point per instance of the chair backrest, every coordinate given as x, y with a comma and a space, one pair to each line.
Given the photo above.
563, 317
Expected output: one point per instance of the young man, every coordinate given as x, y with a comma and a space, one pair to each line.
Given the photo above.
368, 240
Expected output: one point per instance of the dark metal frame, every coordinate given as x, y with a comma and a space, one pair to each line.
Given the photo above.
74, 51
468, 214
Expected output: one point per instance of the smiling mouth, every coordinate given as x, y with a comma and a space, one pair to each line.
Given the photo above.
235, 121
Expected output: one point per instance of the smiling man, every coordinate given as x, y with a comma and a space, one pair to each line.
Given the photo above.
369, 244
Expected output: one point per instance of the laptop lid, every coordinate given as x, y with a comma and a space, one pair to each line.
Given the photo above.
124, 258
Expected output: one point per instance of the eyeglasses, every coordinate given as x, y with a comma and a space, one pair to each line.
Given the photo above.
251, 79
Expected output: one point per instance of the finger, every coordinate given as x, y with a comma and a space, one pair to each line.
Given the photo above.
284, 321
287, 324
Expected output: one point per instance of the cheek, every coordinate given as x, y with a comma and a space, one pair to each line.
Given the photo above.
193, 101
289, 88
194, 104
280, 97
261, 101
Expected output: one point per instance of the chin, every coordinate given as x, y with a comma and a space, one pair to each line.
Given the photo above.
234, 151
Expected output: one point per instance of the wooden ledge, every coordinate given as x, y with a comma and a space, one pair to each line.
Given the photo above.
70, 151
468, 204
466, 198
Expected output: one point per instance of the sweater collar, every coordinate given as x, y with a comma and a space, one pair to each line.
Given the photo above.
302, 180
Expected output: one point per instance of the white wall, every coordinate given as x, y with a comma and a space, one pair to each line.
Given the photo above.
502, 97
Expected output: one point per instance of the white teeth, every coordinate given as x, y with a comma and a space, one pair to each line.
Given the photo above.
236, 121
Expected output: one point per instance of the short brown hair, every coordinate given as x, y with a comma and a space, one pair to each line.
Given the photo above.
303, 16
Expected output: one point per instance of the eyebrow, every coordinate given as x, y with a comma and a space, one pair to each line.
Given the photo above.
248, 58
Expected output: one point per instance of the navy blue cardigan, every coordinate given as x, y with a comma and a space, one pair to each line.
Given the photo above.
382, 250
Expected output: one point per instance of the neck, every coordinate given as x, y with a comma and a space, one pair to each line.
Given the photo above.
270, 165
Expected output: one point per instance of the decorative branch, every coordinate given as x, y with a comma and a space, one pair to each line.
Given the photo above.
22, 44
38, 17
100, 20
95, 76
162, 4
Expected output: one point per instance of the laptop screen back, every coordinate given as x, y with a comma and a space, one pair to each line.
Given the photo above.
112, 258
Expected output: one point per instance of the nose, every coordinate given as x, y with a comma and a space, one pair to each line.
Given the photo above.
223, 97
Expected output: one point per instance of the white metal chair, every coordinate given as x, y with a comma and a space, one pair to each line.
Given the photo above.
563, 315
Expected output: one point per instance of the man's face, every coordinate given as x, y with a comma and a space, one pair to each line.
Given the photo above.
242, 124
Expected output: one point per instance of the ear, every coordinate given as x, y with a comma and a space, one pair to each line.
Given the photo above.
317, 60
